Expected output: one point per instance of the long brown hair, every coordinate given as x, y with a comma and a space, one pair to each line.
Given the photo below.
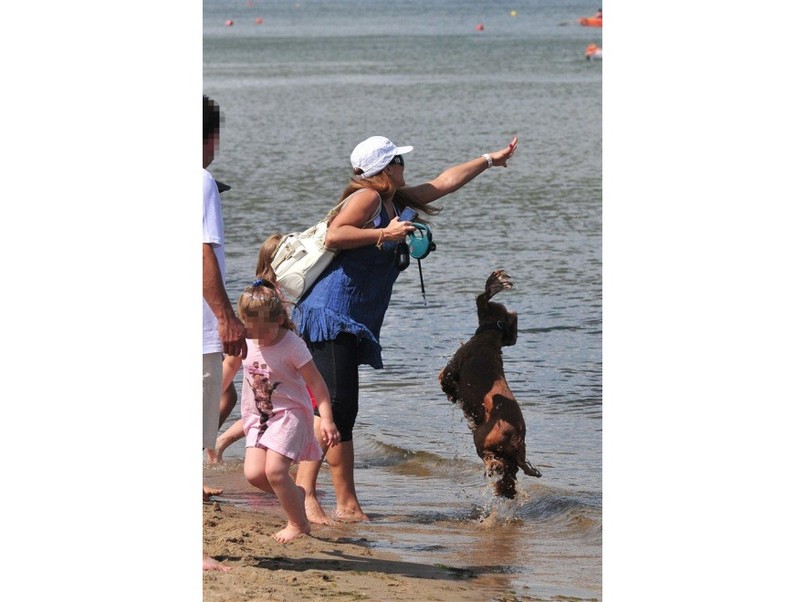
264, 257
381, 183
265, 273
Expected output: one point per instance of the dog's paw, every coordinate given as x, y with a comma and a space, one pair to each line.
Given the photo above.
498, 280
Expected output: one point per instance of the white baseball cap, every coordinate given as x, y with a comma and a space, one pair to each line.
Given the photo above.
374, 153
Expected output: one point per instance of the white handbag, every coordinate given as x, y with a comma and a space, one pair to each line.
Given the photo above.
301, 257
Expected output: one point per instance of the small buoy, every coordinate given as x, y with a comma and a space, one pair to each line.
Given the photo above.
259, 20
229, 23
513, 13
479, 27
593, 52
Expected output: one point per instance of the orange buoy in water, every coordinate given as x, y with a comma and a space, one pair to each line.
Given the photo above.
229, 23
593, 52
259, 20
479, 27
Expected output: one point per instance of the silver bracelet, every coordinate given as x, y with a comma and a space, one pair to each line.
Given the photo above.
488, 159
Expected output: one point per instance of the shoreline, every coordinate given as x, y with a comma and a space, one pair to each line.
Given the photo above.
333, 563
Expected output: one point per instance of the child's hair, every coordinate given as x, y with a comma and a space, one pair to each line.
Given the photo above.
264, 257
262, 299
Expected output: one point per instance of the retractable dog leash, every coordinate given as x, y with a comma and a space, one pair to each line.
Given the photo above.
420, 244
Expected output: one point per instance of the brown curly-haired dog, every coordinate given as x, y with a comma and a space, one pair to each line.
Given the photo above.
474, 379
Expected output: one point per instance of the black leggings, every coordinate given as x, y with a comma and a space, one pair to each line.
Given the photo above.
338, 363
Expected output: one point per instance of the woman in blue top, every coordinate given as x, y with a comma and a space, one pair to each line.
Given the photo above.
341, 315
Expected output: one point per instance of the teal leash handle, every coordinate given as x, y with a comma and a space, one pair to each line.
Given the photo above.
420, 244
420, 241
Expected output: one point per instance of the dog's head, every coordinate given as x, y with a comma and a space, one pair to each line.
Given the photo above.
495, 315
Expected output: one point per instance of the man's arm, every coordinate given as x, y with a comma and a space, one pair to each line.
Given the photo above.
230, 329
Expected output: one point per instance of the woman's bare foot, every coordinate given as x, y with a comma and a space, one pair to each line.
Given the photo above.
211, 491
211, 564
315, 513
350, 515
213, 457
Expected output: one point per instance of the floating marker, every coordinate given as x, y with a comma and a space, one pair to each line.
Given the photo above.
229, 23
479, 27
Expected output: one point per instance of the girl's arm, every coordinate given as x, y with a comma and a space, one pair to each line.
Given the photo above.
232, 364
317, 385
453, 178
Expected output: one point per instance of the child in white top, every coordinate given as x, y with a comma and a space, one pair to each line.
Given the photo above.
275, 406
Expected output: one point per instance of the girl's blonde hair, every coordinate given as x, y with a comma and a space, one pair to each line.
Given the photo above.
264, 257
262, 300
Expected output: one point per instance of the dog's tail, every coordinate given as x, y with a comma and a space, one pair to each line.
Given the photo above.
527, 467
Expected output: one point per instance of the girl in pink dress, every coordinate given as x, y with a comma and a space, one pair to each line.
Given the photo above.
275, 406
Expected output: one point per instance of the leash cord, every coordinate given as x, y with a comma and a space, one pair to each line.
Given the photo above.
422, 282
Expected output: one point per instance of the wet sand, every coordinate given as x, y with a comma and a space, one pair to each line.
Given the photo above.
334, 563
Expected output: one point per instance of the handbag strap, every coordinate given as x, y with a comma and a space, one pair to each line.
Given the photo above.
335, 210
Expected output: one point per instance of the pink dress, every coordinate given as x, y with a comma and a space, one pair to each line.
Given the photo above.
275, 405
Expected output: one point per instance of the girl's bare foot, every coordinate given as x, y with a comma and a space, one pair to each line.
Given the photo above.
315, 513
211, 564
291, 532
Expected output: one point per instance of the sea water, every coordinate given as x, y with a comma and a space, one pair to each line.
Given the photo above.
298, 91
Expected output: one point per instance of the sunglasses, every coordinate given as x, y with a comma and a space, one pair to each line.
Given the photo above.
397, 159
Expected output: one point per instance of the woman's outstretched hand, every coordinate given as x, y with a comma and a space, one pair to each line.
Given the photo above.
500, 157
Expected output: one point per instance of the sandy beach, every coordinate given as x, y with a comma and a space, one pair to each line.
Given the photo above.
334, 563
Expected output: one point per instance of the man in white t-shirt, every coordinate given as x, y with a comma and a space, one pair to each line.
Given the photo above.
223, 332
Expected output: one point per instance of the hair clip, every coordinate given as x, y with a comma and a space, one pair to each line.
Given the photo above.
259, 282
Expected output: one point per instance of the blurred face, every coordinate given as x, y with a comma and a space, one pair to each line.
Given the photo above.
261, 327
210, 146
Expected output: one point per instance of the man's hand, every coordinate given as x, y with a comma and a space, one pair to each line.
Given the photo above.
231, 331
233, 336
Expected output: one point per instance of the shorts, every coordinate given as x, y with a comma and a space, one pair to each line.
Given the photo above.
213, 376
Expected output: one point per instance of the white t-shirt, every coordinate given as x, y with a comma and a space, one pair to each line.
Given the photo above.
213, 234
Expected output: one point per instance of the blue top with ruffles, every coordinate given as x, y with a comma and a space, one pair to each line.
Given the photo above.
351, 295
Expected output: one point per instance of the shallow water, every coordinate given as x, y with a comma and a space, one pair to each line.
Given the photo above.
298, 92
